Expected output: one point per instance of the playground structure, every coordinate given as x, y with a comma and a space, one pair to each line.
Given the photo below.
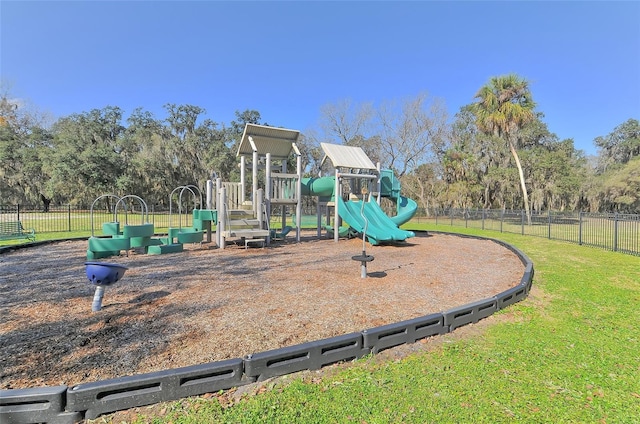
142, 236
183, 234
247, 218
131, 236
355, 175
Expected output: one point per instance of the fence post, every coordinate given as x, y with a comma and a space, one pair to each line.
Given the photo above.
483, 211
501, 219
466, 218
18, 209
69, 215
549, 226
522, 222
580, 228
615, 231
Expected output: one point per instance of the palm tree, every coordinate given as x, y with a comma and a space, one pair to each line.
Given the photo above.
504, 106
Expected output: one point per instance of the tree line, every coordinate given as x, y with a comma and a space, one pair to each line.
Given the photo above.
496, 152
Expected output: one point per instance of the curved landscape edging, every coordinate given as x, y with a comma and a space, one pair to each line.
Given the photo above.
63, 404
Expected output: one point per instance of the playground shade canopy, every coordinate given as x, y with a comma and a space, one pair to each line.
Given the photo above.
277, 141
347, 156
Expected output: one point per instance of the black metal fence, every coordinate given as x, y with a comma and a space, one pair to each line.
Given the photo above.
67, 218
612, 231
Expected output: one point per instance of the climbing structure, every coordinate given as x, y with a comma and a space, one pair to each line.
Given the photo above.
267, 150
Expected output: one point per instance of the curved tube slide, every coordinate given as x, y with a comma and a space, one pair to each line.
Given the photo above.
407, 208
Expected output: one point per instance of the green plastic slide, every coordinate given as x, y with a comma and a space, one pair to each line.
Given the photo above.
406, 209
380, 227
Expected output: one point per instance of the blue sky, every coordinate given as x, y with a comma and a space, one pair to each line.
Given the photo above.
288, 59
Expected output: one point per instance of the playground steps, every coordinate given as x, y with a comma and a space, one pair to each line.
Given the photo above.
239, 219
246, 233
143, 242
165, 248
108, 244
240, 213
184, 235
283, 201
91, 255
242, 224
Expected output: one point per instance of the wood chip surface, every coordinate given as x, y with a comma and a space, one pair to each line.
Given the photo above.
207, 304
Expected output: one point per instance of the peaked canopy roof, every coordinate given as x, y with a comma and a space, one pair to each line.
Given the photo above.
277, 141
347, 157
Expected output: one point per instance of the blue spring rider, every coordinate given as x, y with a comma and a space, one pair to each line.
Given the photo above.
102, 274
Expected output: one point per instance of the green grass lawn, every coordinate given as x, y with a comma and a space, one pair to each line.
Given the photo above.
570, 353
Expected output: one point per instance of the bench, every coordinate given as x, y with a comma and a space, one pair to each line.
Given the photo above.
13, 230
